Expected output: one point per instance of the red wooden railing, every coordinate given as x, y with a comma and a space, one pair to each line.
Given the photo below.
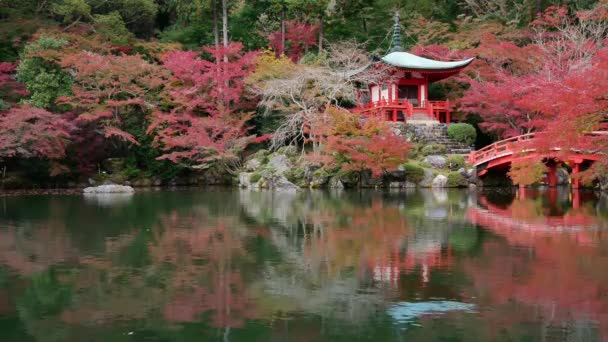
440, 105
499, 148
506, 147
432, 108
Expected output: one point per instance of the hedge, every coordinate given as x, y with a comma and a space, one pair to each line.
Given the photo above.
462, 132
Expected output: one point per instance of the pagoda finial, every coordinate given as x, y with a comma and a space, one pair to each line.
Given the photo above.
397, 35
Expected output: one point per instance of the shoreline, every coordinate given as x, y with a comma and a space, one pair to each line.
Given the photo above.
78, 191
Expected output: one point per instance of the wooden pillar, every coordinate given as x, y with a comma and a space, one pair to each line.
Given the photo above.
521, 192
576, 182
576, 198
552, 176
448, 115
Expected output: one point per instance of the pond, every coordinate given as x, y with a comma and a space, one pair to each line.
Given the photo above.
229, 265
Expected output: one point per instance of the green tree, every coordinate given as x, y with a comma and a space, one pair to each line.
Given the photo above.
44, 79
112, 27
72, 11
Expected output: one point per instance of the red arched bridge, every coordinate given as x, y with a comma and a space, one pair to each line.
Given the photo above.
500, 154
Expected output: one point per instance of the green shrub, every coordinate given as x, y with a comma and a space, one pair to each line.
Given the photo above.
462, 132
112, 27
415, 151
413, 172
455, 162
433, 149
44, 80
295, 175
254, 178
456, 180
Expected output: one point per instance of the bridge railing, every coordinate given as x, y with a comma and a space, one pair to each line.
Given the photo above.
497, 148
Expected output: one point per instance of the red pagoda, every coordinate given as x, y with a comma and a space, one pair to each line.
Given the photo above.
405, 97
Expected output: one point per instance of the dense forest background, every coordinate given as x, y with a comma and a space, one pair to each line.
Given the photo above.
172, 86
190, 22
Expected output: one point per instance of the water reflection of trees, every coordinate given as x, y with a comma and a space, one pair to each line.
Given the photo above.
225, 258
356, 251
167, 262
543, 262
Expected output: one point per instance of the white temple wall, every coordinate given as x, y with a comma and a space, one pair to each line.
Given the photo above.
384, 95
375, 90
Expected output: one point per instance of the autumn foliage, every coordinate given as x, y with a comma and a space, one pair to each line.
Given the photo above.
299, 37
351, 145
34, 133
107, 88
206, 124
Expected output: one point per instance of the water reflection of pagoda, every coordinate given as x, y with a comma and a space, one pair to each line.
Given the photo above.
389, 270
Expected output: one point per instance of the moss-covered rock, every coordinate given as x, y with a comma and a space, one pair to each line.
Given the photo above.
320, 178
349, 179
456, 180
297, 175
433, 149
254, 177
455, 162
413, 172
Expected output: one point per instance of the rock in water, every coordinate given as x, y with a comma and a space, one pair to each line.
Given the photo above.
336, 183
281, 183
280, 164
440, 181
109, 189
253, 164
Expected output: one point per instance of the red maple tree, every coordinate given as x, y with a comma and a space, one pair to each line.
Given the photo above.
28, 132
299, 37
107, 88
206, 124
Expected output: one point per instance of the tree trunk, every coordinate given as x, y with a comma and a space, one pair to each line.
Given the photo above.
216, 32
72, 24
225, 25
282, 32
225, 39
321, 34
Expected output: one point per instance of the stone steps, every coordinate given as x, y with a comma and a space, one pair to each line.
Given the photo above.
437, 133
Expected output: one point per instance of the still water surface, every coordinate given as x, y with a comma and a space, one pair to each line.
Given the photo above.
226, 265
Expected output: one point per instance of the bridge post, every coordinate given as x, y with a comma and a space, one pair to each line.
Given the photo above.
576, 182
552, 176
576, 199
521, 192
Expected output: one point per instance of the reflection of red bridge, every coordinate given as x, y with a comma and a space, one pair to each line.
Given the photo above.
506, 220
500, 154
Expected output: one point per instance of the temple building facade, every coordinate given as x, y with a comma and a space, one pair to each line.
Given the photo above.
404, 95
